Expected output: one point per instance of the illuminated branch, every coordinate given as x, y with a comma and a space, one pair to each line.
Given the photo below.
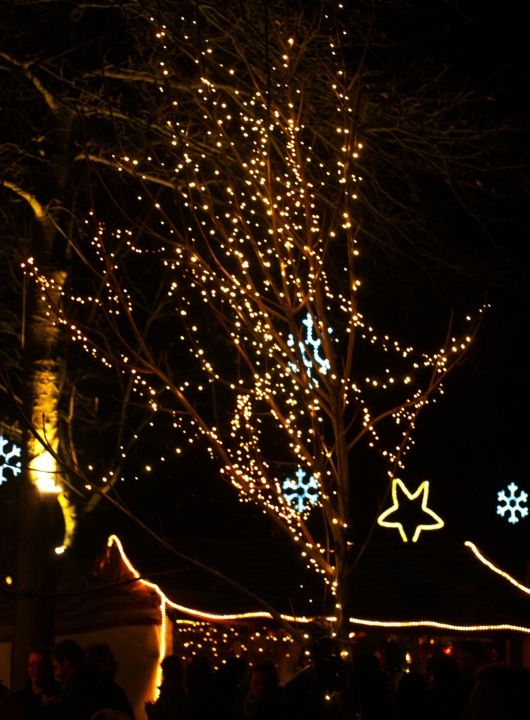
131, 171
73, 469
40, 212
51, 101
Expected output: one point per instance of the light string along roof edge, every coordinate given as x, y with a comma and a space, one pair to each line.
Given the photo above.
114, 540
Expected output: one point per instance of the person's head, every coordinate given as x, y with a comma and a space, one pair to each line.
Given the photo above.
263, 680
411, 688
172, 668
469, 655
67, 657
101, 656
502, 692
446, 674
199, 680
39, 666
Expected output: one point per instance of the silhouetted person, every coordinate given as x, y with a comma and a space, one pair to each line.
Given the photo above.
9, 707
469, 655
411, 698
501, 692
84, 689
40, 686
202, 702
101, 657
305, 695
228, 682
448, 697
371, 695
265, 700
171, 690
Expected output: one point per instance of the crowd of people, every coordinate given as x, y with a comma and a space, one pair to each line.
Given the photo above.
464, 686
69, 683
66, 683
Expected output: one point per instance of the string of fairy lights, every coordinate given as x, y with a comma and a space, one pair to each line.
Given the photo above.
219, 637
266, 211
202, 639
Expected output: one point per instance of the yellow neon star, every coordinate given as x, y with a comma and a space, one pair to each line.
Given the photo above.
423, 488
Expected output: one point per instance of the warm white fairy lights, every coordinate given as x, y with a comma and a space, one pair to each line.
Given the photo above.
258, 234
200, 614
439, 625
450, 626
495, 569
200, 617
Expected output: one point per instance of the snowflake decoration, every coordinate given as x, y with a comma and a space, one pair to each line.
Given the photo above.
6, 459
512, 503
322, 362
300, 493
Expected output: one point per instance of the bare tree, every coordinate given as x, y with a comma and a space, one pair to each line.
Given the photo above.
261, 146
248, 155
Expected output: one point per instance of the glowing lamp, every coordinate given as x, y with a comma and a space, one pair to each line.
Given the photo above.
43, 470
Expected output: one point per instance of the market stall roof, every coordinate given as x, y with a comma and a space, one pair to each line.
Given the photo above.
105, 598
449, 586
406, 585
439, 585
277, 577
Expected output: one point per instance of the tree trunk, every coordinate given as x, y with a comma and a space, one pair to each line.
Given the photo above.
40, 527
34, 616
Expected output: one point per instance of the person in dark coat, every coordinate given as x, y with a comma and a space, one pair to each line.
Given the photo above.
370, 689
84, 690
202, 701
411, 698
265, 700
9, 708
228, 682
448, 696
501, 692
171, 690
101, 657
40, 685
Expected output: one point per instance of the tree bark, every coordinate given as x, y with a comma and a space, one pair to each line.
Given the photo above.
40, 528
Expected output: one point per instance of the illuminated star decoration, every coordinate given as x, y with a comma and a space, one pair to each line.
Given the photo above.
322, 362
423, 489
6, 459
299, 493
512, 503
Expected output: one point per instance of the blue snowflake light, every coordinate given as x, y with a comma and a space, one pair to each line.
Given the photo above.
313, 345
8, 460
301, 493
513, 503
